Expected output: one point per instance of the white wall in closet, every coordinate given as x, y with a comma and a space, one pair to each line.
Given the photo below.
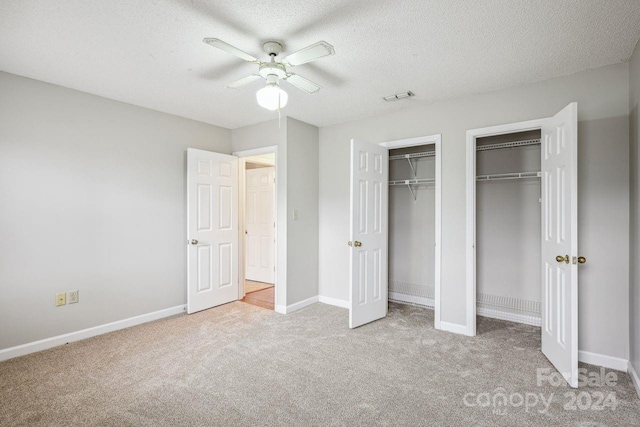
412, 228
508, 236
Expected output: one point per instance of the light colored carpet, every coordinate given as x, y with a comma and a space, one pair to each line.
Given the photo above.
251, 286
199, 370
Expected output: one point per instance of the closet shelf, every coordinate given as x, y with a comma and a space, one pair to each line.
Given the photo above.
413, 155
511, 144
503, 176
411, 182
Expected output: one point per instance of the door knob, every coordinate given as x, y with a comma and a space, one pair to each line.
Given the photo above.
582, 259
561, 258
350, 243
194, 241
357, 244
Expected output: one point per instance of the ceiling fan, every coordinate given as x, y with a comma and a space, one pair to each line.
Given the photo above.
271, 96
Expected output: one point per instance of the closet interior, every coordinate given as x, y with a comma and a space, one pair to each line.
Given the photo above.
508, 227
412, 225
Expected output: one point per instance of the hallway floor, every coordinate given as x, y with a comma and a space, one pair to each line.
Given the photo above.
263, 298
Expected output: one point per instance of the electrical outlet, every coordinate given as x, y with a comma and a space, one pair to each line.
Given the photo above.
61, 299
74, 297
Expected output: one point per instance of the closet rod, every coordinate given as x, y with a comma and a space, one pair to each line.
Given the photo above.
511, 144
503, 176
412, 181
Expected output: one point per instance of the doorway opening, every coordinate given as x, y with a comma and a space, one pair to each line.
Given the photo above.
415, 216
412, 225
508, 224
258, 230
503, 207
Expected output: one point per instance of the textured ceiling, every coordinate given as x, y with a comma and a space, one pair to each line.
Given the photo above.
150, 52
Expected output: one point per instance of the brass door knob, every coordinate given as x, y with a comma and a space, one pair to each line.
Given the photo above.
194, 241
582, 259
357, 244
561, 258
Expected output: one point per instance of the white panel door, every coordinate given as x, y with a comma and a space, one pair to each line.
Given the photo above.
560, 242
212, 229
260, 225
368, 261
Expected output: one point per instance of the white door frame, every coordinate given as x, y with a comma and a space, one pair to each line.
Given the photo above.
437, 141
470, 327
279, 261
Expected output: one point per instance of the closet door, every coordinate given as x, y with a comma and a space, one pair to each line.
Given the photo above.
368, 253
560, 242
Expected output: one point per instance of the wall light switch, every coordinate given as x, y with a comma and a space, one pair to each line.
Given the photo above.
295, 214
74, 297
61, 299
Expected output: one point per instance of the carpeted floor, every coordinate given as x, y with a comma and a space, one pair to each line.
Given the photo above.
199, 370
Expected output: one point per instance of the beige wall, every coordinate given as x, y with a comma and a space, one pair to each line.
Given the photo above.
602, 97
92, 197
634, 283
302, 196
297, 187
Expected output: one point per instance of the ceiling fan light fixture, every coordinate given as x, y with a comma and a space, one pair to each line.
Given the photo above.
272, 97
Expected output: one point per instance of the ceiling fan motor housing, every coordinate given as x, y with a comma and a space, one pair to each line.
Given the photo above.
273, 68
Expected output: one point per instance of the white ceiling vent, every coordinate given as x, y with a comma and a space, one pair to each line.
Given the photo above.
398, 96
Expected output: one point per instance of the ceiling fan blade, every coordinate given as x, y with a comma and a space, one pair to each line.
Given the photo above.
244, 81
309, 53
230, 49
303, 84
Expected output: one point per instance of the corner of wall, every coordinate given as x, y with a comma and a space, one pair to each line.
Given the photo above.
634, 214
302, 211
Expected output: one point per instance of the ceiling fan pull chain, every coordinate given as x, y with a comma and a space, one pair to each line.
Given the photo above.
279, 115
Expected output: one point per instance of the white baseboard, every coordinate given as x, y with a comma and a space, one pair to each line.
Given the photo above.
634, 377
610, 362
455, 328
32, 347
411, 299
333, 301
295, 307
511, 317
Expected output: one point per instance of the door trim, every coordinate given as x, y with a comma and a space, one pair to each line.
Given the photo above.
470, 246
279, 285
437, 141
